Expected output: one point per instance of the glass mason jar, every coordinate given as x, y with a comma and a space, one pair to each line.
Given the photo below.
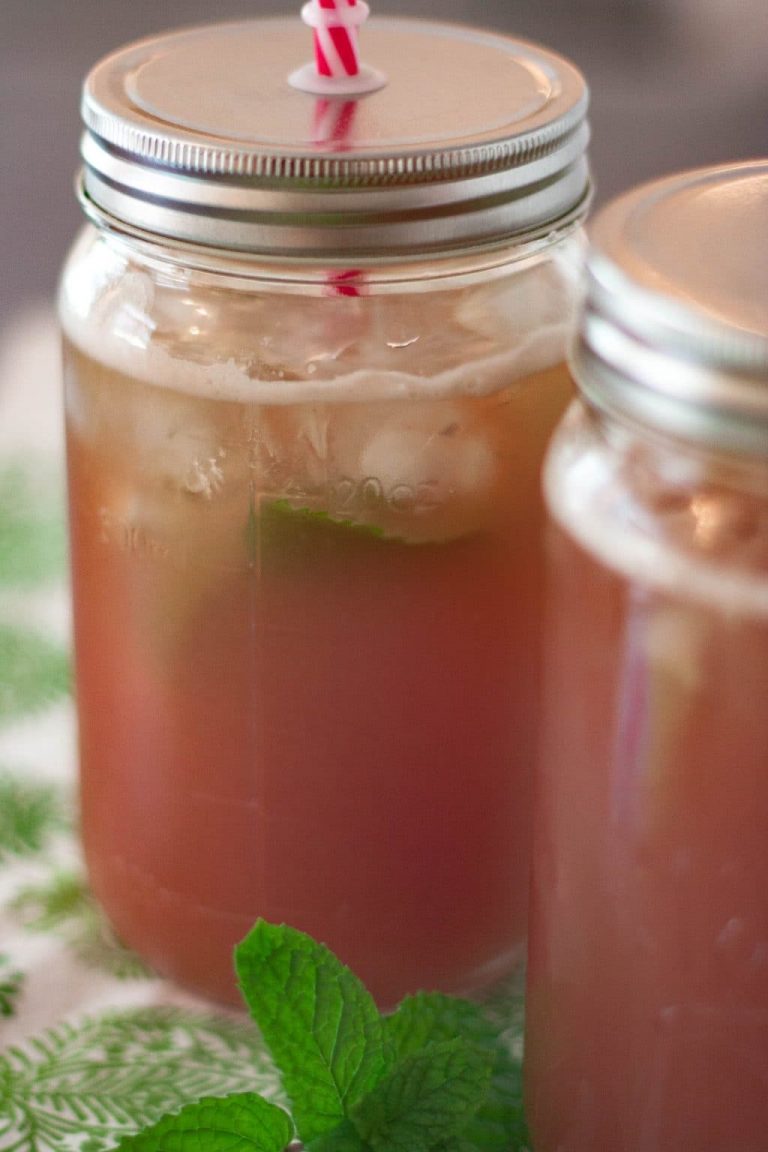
309, 384
647, 1013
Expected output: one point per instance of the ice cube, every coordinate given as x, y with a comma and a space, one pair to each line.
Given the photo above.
448, 460
512, 309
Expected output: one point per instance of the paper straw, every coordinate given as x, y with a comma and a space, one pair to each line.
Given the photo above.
336, 69
336, 41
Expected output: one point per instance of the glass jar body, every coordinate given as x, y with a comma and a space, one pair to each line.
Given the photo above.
647, 1011
305, 531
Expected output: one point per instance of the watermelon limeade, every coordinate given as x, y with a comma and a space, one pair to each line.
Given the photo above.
306, 597
647, 1011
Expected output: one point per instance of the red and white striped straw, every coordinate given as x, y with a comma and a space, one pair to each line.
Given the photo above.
333, 127
336, 69
336, 41
333, 124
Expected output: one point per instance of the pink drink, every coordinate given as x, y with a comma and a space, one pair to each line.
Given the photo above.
307, 660
648, 975
314, 349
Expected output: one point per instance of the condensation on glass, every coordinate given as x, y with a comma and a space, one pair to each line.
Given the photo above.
313, 352
648, 976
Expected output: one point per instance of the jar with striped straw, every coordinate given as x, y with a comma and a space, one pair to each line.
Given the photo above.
315, 329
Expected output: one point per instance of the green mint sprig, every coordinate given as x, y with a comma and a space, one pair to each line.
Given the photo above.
218, 1124
432, 1077
319, 1022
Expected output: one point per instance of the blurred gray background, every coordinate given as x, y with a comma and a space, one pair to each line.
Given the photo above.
675, 83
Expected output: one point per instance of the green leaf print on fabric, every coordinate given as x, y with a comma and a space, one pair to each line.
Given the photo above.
64, 906
30, 812
33, 672
11, 985
32, 529
80, 1087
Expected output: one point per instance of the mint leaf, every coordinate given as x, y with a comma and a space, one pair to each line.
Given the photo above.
345, 1138
499, 1125
320, 1023
242, 1123
281, 535
279, 510
430, 1016
278, 532
427, 1099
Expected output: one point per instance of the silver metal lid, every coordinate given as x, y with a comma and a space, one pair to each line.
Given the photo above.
199, 136
675, 324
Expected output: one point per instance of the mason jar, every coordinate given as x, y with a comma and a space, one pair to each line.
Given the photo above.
314, 350
648, 975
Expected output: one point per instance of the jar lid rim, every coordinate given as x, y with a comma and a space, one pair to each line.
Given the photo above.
198, 135
675, 319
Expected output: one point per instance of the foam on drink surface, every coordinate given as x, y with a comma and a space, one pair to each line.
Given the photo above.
472, 341
584, 490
